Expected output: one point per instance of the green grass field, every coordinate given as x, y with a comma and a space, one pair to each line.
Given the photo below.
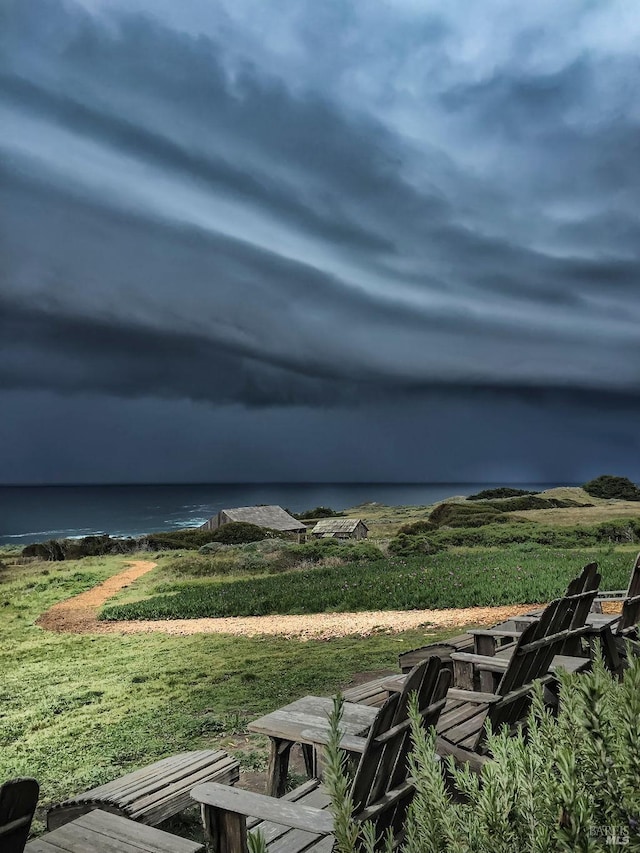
467, 577
76, 711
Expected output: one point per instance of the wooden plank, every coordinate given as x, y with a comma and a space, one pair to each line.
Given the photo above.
460, 715
472, 726
247, 803
491, 664
148, 838
151, 793
41, 845
172, 799
472, 696
320, 738
495, 632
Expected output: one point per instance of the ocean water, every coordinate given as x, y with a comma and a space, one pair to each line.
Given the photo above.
36, 513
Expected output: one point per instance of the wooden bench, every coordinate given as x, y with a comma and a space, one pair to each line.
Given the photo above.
151, 794
300, 822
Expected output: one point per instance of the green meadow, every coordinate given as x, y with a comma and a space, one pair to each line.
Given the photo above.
462, 578
76, 711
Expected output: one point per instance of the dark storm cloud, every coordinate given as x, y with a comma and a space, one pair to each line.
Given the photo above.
337, 204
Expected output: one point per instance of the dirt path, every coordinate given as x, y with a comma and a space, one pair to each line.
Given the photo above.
78, 615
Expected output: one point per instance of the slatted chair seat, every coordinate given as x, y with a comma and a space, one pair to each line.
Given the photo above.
372, 693
153, 793
381, 788
103, 832
442, 650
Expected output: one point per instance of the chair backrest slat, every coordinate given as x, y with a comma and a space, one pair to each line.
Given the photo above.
383, 766
558, 631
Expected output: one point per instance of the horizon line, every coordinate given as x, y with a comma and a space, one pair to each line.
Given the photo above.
286, 483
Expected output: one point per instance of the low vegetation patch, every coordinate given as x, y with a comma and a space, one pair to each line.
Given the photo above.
57, 550
479, 513
237, 532
475, 578
269, 556
608, 486
318, 512
617, 531
501, 492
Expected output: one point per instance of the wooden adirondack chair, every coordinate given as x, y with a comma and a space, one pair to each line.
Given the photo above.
18, 801
483, 641
461, 726
381, 789
614, 630
488, 641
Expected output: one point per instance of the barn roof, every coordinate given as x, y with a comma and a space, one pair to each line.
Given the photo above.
273, 517
338, 525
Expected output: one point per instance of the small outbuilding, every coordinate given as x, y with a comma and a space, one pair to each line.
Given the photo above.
270, 517
340, 528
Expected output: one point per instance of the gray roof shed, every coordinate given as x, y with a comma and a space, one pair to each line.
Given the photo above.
273, 517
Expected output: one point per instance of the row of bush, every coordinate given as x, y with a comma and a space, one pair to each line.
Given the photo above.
624, 531
607, 486
488, 512
173, 540
269, 556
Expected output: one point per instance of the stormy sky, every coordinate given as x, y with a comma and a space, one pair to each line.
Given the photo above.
246, 241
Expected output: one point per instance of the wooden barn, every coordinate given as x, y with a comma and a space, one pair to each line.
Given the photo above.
340, 528
271, 517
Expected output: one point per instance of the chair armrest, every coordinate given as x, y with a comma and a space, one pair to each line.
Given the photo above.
611, 595
349, 743
237, 801
492, 664
494, 632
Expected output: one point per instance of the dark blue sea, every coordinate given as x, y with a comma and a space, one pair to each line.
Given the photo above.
36, 513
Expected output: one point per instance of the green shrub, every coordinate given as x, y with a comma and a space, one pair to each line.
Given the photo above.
608, 486
464, 515
418, 528
404, 545
571, 783
318, 512
202, 565
502, 492
237, 532
492, 512
213, 548
318, 549
101, 545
